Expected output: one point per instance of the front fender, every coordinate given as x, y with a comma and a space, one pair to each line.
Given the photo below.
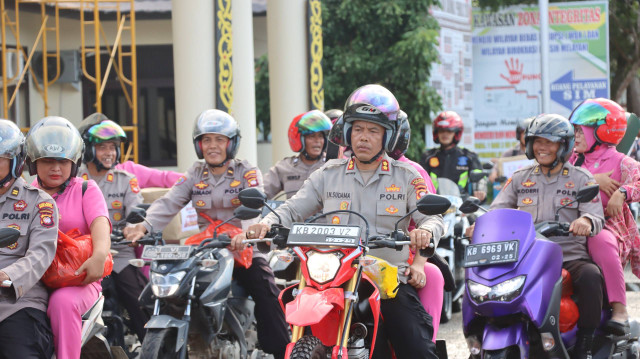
310, 305
166, 321
495, 338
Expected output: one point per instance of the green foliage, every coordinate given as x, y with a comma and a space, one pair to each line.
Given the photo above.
392, 43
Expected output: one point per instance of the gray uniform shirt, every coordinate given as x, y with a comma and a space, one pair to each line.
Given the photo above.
215, 198
288, 175
122, 193
532, 191
390, 193
35, 214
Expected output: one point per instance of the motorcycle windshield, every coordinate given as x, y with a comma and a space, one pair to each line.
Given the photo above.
450, 190
499, 225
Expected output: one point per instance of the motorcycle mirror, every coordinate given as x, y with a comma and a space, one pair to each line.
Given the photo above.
8, 237
137, 215
470, 205
252, 198
433, 204
487, 165
245, 213
586, 194
144, 206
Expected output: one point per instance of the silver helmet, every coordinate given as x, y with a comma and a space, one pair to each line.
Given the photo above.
54, 137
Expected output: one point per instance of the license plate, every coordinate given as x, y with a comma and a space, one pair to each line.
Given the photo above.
166, 252
309, 234
476, 255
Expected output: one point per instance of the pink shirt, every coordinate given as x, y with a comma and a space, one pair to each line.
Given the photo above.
73, 215
150, 177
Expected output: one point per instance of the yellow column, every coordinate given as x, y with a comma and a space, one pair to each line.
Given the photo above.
193, 63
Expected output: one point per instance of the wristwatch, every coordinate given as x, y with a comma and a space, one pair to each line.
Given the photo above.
624, 192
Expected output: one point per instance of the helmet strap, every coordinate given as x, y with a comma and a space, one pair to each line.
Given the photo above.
309, 158
373, 159
99, 166
221, 164
6, 181
62, 187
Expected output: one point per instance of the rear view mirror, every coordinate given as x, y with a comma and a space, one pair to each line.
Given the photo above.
470, 205
8, 236
476, 176
433, 204
487, 165
252, 198
245, 213
137, 215
586, 194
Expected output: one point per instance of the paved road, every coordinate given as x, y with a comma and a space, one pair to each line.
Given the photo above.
457, 347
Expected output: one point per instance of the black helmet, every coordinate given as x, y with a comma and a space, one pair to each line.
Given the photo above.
219, 122
554, 128
522, 125
376, 104
404, 136
54, 137
11, 147
105, 130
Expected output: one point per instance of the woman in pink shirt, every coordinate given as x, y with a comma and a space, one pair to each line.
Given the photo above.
54, 149
600, 125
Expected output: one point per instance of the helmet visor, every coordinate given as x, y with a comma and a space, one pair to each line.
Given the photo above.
11, 140
377, 96
312, 122
589, 114
106, 130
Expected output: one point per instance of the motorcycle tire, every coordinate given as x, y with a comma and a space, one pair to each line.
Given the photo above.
308, 347
447, 308
160, 344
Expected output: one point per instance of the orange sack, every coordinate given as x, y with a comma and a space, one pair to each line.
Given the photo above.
73, 249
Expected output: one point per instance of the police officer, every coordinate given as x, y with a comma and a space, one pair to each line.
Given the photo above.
212, 186
121, 192
382, 190
307, 136
541, 189
24, 328
450, 161
518, 149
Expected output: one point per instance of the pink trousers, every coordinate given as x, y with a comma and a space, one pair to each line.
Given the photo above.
431, 295
603, 249
66, 307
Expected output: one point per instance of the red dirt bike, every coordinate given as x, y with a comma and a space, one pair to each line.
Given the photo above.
335, 309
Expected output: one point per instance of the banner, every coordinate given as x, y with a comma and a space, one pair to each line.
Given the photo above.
452, 77
506, 66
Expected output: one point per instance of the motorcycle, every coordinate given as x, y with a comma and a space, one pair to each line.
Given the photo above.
334, 310
94, 344
512, 304
196, 307
451, 246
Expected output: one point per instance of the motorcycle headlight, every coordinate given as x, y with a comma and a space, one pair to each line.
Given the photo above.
323, 267
166, 285
501, 292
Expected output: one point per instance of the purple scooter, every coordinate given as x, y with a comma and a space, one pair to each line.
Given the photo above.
511, 305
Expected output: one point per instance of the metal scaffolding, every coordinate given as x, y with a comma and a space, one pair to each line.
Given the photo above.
125, 23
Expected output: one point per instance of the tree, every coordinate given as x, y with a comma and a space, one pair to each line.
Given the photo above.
624, 46
392, 43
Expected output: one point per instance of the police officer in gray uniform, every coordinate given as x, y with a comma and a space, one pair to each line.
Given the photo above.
121, 192
541, 189
307, 136
382, 190
24, 328
212, 186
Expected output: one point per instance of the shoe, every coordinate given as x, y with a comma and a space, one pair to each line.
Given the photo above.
617, 328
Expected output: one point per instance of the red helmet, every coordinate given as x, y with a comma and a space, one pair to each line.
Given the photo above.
448, 120
606, 116
306, 124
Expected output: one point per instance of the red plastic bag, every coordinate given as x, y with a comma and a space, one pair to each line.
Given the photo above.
73, 249
242, 259
568, 309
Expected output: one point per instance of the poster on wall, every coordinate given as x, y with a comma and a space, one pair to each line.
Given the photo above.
506, 66
452, 77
